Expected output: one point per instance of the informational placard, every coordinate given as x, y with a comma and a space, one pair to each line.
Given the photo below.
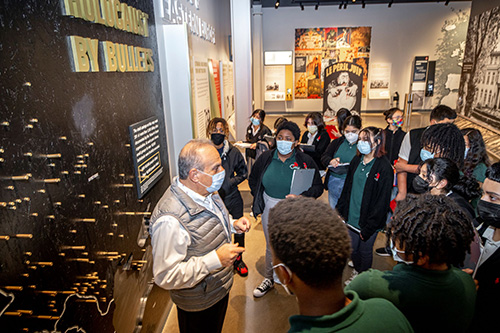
380, 77
274, 82
277, 58
201, 96
216, 75
146, 147
420, 69
228, 88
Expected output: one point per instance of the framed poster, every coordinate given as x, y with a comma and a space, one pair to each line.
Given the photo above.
380, 77
274, 82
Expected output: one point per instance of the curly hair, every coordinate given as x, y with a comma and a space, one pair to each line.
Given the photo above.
212, 125
477, 152
309, 237
493, 172
444, 168
317, 119
291, 126
377, 134
433, 226
446, 140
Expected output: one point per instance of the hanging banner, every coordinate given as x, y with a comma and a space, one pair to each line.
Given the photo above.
343, 87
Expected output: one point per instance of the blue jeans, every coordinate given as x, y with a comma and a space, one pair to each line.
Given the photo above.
362, 252
335, 186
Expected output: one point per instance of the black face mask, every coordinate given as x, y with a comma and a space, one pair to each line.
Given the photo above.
489, 213
420, 185
217, 138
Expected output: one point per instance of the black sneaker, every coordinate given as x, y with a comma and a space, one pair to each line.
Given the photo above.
382, 251
263, 288
240, 267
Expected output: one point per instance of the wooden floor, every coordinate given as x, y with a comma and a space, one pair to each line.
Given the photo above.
270, 313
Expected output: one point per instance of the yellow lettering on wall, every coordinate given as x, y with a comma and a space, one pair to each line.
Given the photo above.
118, 14
88, 10
126, 18
100, 14
121, 53
149, 60
110, 61
84, 51
107, 7
144, 19
141, 59
72, 8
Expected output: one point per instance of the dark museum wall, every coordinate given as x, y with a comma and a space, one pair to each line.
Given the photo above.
70, 214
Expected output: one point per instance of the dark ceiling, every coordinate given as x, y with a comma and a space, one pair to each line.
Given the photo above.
297, 3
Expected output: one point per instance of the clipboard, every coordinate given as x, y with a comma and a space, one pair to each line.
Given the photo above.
307, 148
301, 180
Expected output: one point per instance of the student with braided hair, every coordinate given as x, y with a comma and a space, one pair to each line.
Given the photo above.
429, 236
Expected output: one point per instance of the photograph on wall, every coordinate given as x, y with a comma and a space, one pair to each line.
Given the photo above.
274, 82
228, 88
343, 87
300, 64
479, 93
324, 47
380, 77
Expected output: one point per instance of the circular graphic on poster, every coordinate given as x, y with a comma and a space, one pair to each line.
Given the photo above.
343, 86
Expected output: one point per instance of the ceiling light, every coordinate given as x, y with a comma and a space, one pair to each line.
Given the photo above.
317, 6
447, 2
301, 6
277, 4
364, 4
345, 5
390, 4
340, 6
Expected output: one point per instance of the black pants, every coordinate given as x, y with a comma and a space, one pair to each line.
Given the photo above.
209, 320
234, 205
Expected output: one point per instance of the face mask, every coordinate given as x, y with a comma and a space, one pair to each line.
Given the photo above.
398, 123
466, 151
217, 181
255, 122
351, 137
425, 155
396, 257
284, 147
289, 273
420, 185
364, 147
217, 138
489, 213
312, 129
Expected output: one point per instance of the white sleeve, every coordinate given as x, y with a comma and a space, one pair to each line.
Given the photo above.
170, 242
404, 151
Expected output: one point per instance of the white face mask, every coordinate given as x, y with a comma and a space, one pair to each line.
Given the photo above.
288, 291
312, 129
396, 257
351, 137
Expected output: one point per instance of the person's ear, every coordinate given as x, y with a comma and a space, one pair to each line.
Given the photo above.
442, 184
283, 275
193, 175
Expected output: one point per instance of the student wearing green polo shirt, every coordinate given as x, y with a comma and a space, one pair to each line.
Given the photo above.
364, 202
338, 152
310, 248
429, 236
270, 182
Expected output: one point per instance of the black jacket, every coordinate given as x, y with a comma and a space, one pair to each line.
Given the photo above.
414, 158
376, 195
320, 143
488, 293
236, 170
259, 168
393, 142
259, 136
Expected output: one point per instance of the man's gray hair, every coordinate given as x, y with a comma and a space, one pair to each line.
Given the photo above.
191, 158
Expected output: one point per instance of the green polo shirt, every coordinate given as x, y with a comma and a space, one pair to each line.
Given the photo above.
358, 187
277, 178
433, 301
374, 315
346, 153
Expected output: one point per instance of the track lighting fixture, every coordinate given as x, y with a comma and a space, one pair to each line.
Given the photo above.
317, 6
363, 4
390, 4
345, 5
301, 6
447, 2
277, 4
340, 6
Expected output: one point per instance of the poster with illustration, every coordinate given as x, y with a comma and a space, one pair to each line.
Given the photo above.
319, 48
343, 87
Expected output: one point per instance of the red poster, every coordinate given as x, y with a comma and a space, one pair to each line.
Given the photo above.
215, 66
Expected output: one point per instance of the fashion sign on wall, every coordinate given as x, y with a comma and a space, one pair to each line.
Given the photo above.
318, 48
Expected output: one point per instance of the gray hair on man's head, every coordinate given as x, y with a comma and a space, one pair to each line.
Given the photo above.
191, 158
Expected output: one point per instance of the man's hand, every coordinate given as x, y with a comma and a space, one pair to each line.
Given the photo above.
253, 146
228, 253
335, 162
242, 225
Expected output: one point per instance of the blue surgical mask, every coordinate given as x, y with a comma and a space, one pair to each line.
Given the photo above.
255, 121
364, 147
217, 181
284, 147
466, 151
425, 155
396, 257
288, 291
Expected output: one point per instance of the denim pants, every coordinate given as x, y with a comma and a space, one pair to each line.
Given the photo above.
362, 252
335, 186
269, 202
